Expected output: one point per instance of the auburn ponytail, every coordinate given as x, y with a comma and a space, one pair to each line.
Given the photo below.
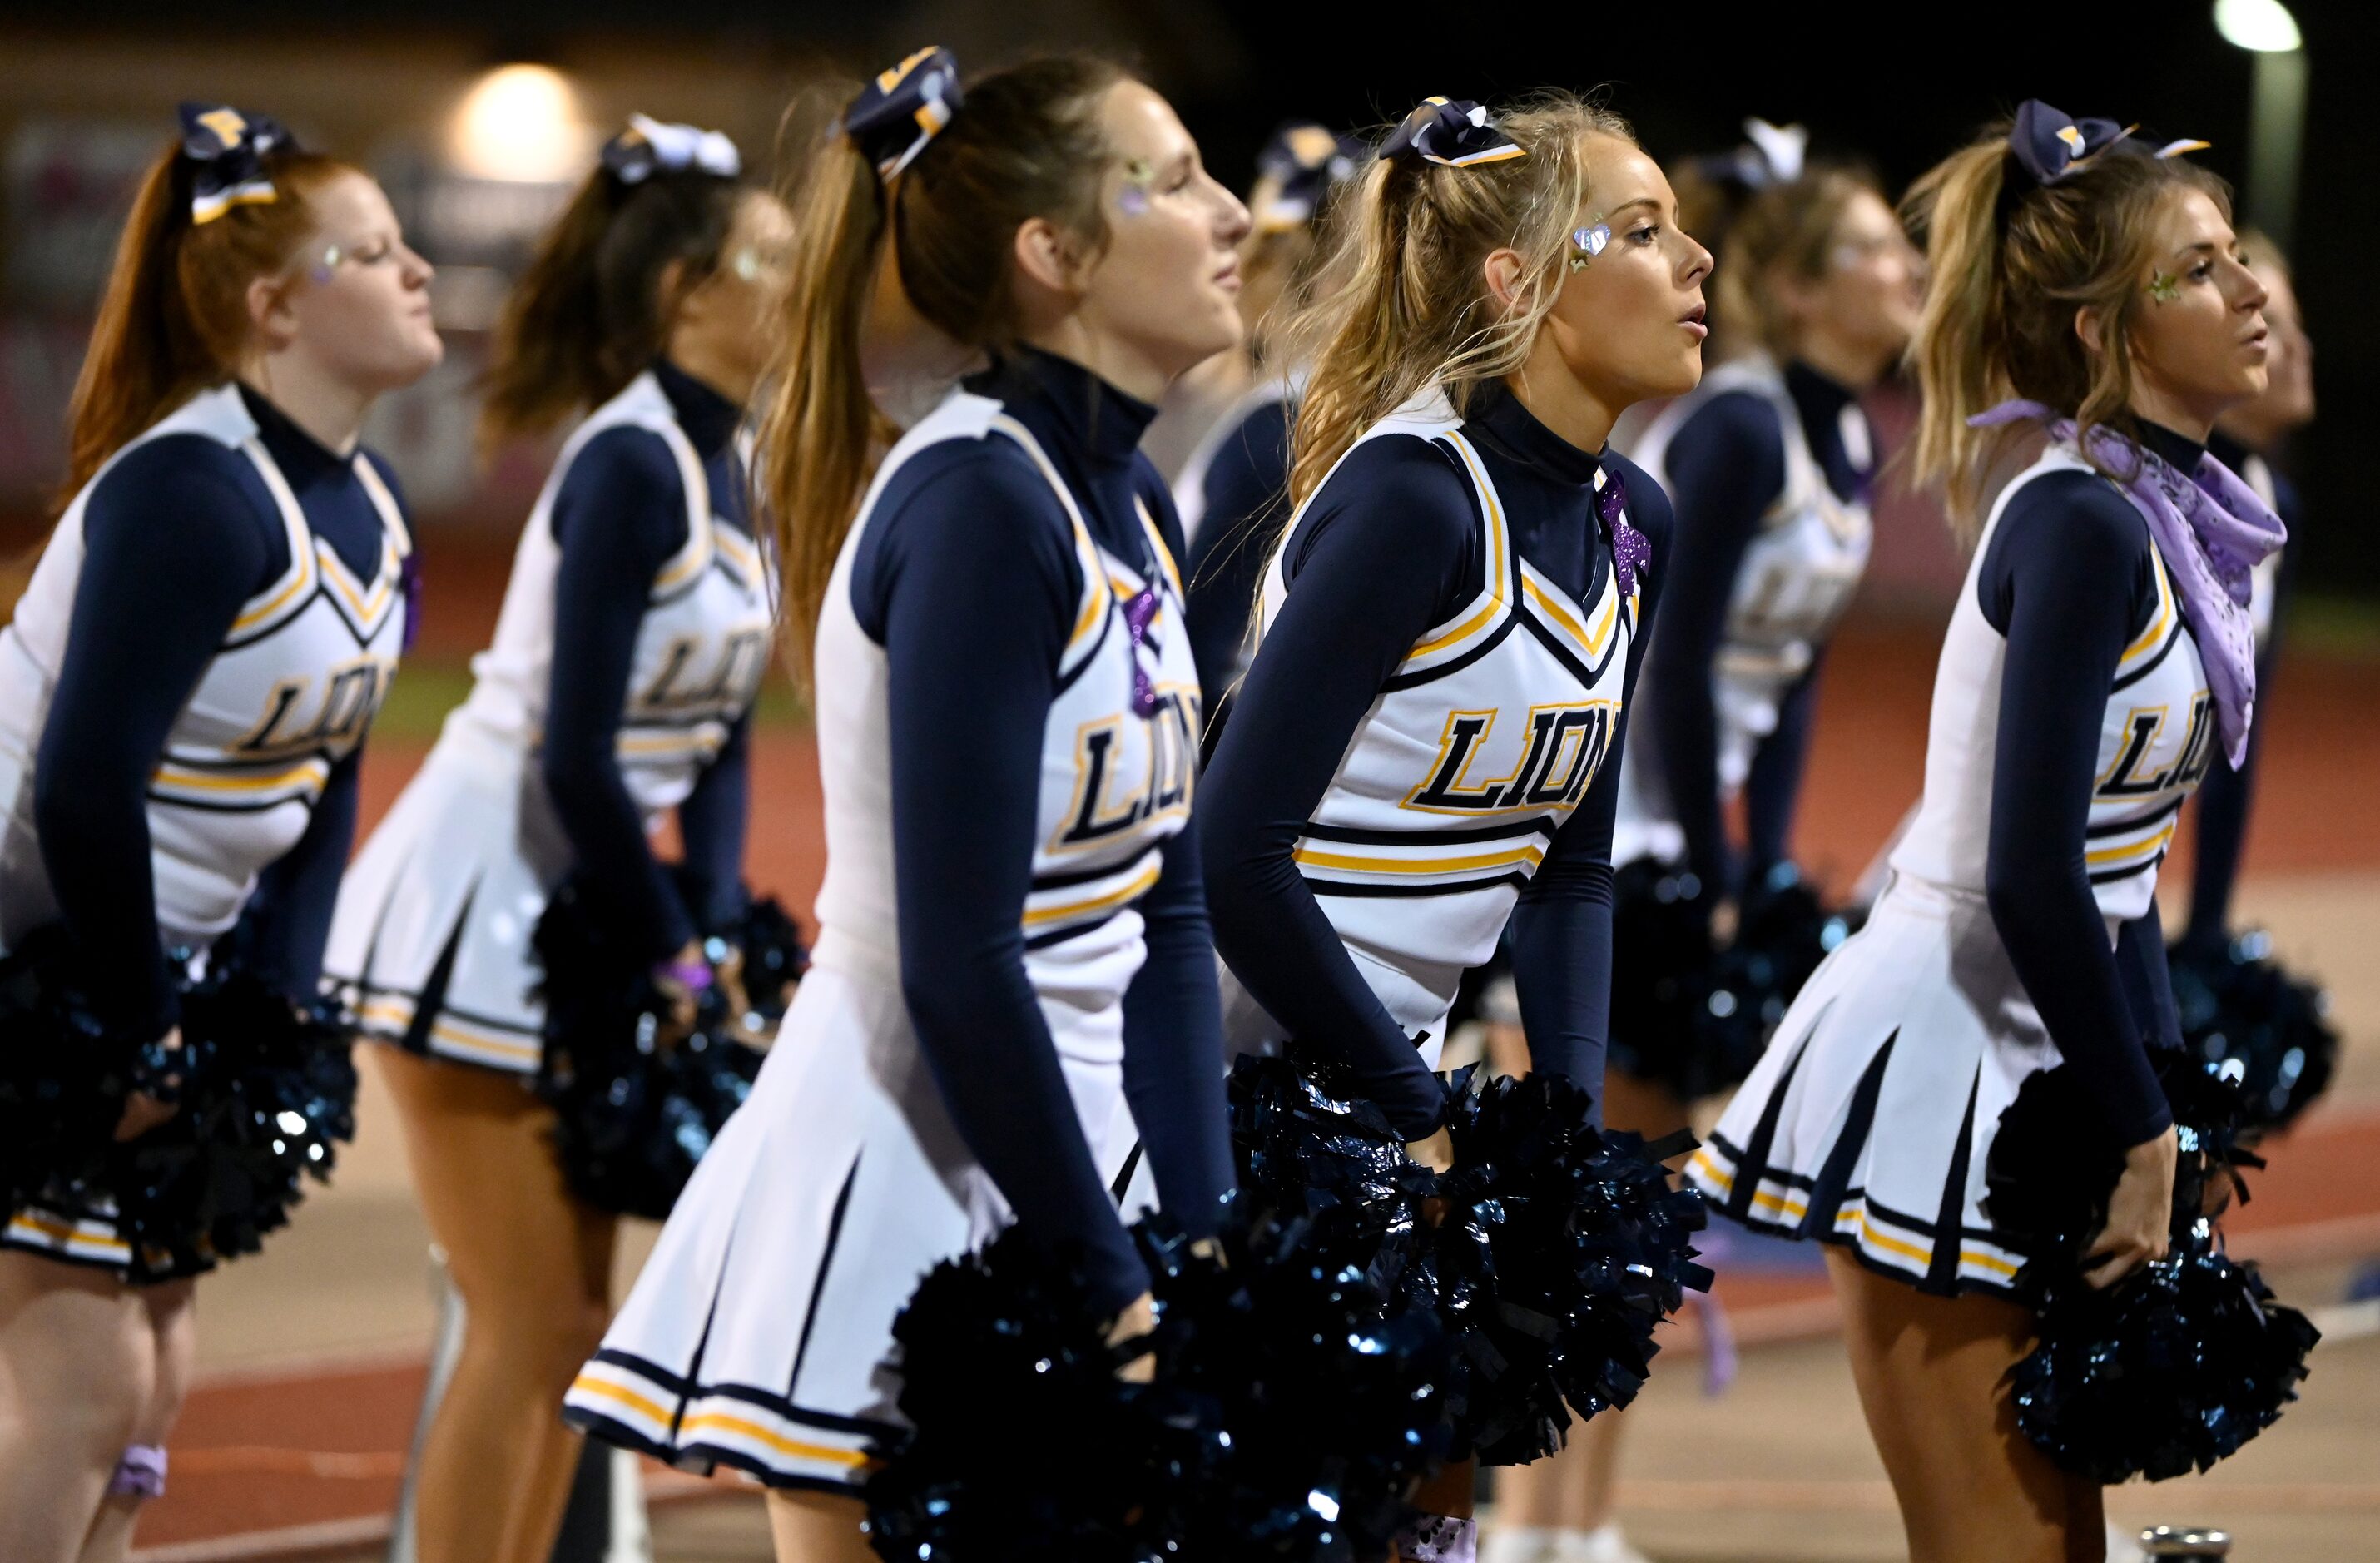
820, 427
588, 315
1026, 144
174, 318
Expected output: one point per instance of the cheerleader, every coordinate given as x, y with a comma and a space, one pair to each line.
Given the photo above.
2098, 660
1768, 462
1012, 933
1424, 744
184, 691
1233, 492
619, 687
2245, 439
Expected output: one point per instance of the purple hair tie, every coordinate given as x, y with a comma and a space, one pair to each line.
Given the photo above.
139, 1474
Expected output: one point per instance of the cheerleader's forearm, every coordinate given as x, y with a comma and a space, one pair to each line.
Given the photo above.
1174, 1046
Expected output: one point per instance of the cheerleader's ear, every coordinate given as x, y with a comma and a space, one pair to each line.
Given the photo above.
1507, 279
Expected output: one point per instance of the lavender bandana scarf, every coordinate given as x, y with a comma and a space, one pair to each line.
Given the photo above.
2212, 530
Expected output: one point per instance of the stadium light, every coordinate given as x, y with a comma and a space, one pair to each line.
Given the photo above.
521, 123
2276, 108
2262, 27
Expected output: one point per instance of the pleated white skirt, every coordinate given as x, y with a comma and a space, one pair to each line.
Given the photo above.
760, 1334
1870, 1117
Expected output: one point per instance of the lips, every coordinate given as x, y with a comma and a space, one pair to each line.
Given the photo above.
1693, 320
1229, 276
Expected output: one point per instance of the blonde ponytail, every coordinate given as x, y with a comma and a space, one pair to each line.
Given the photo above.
1408, 305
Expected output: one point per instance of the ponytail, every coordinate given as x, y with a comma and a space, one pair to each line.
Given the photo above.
820, 425
174, 318
2015, 262
1957, 348
588, 315
935, 218
1408, 306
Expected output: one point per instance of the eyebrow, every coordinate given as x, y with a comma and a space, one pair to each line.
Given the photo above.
2208, 246
1640, 200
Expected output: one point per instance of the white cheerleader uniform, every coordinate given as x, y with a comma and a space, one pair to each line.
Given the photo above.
1797, 575
292, 692
760, 1334
1869, 1120
1481, 744
460, 872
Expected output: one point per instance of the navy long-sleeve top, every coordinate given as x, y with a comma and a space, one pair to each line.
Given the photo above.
1390, 548
968, 577
1726, 466
619, 515
178, 535
1246, 491
2068, 577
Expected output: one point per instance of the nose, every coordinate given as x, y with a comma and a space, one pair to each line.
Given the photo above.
1700, 263
2254, 295
417, 270
1235, 219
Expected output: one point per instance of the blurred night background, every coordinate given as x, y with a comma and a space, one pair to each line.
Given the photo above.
476, 114
480, 115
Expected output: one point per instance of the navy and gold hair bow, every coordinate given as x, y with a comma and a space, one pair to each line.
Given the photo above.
1455, 133
1296, 169
648, 147
903, 109
2051, 145
225, 151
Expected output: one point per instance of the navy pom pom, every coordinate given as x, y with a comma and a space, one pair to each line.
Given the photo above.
2166, 1373
1693, 1016
270, 1098
63, 1078
1009, 1331
2238, 1005
1586, 1249
264, 1093
634, 1113
2182, 1362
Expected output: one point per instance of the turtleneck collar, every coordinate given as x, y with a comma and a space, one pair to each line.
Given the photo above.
1101, 424
301, 457
709, 418
2176, 451
1820, 397
1514, 431
2231, 453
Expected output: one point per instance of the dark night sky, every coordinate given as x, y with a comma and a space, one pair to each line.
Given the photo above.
1895, 85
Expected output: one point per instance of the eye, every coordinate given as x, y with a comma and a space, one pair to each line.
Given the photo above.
1645, 234
2202, 271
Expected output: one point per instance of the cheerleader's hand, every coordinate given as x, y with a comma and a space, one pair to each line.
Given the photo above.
728, 972
683, 979
1435, 1151
142, 1112
2140, 1213
1137, 1321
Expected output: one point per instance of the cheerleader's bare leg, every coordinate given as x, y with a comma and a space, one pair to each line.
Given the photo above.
1932, 1375
534, 1268
77, 1367
170, 1316
817, 1528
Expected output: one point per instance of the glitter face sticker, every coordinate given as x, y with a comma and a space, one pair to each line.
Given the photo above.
326, 263
2165, 288
1587, 243
1133, 197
